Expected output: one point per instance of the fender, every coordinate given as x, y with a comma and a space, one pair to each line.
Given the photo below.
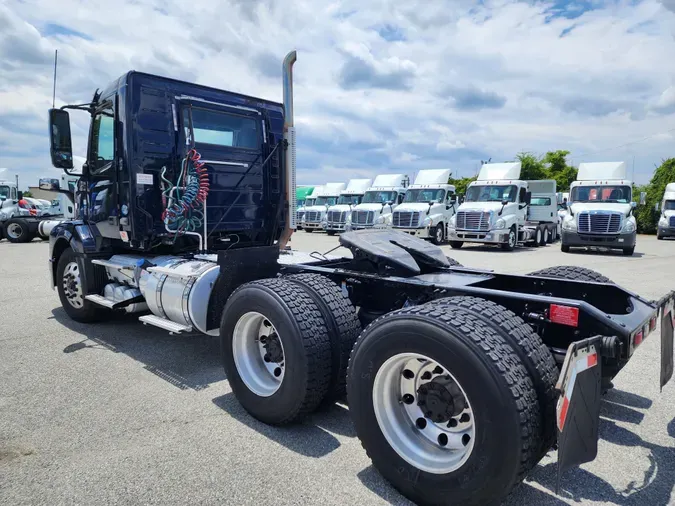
79, 237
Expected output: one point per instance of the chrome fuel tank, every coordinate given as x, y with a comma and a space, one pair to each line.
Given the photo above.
179, 289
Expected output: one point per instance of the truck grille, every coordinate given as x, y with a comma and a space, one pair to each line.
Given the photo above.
473, 220
672, 221
405, 219
313, 217
300, 214
363, 217
599, 222
336, 217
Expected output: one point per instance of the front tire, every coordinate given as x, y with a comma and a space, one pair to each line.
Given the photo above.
456, 244
512, 240
438, 235
629, 251
330, 232
70, 286
564, 248
436, 354
308, 230
276, 350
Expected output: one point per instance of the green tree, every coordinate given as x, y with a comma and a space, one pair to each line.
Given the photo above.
532, 166
461, 184
646, 216
27, 194
556, 168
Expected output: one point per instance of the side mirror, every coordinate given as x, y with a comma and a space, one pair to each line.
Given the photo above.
390, 202
633, 205
643, 198
505, 202
528, 198
60, 144
20, 195
2, 198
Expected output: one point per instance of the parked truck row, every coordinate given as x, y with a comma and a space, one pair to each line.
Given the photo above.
192, 235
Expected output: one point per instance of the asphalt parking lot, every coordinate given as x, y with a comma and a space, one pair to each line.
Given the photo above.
120, 413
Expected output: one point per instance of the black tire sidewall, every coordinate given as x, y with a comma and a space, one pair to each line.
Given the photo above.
89, 312
493, 463
25, 232
291, 393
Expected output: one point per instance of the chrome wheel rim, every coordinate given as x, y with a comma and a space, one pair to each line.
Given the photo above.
512, 238
538, 239
72, 286
14, 230
258, 354
424, 413
439, 234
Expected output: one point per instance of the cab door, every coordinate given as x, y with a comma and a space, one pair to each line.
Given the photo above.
99, 200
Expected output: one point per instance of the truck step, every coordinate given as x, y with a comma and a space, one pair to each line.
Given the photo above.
100, 300
163, 323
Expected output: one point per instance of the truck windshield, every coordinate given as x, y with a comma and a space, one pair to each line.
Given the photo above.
491, 193
669, 205
325, 201
4, 191
541, 201
309, 202
350, 199
379, 197
600, 193
425, 195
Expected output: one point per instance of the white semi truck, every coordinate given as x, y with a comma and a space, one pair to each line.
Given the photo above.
666, 227
500, 208
337, 215
379, 202
309, 202
315, 216
428, 206
600, 209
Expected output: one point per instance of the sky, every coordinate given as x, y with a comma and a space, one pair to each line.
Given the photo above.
380, 86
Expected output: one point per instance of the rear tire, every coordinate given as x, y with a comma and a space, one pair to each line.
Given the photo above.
70, 286
456, 244
496, 389
342, 323
17, 230
538, 237
532, 351
546, 238
572, 272
288, 313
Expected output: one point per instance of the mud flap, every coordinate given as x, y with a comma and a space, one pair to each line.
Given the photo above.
667, 315
578, 409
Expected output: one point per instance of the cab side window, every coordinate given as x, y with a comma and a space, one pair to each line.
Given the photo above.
13, 194
102, 148
449, 197
401, 196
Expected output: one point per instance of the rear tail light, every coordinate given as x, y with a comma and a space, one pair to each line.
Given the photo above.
637, 340
652, 324
564, 315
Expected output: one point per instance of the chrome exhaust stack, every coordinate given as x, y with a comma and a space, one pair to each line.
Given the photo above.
289, 137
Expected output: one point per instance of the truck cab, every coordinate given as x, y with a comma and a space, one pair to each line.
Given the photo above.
600, 209
666, 226
378, 203
309, 202
315, 215
340, 213
497, 210
301, 195
428, 206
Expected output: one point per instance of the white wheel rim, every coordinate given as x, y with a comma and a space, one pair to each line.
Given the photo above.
255, 338
14, 230
72, 285
512, 238
538, 235
546, 235
437, 444
439, 234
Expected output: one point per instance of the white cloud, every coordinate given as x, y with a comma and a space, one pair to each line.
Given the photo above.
380, 86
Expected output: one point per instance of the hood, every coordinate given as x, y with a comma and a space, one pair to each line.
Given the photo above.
369, 207
316, 208
600, 206
416, 207
482, 206
340, 207
669, 213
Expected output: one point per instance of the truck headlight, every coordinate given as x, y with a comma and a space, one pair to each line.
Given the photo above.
453, 222
569, 223
427, 222
663, 222
500, 224
629, 226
